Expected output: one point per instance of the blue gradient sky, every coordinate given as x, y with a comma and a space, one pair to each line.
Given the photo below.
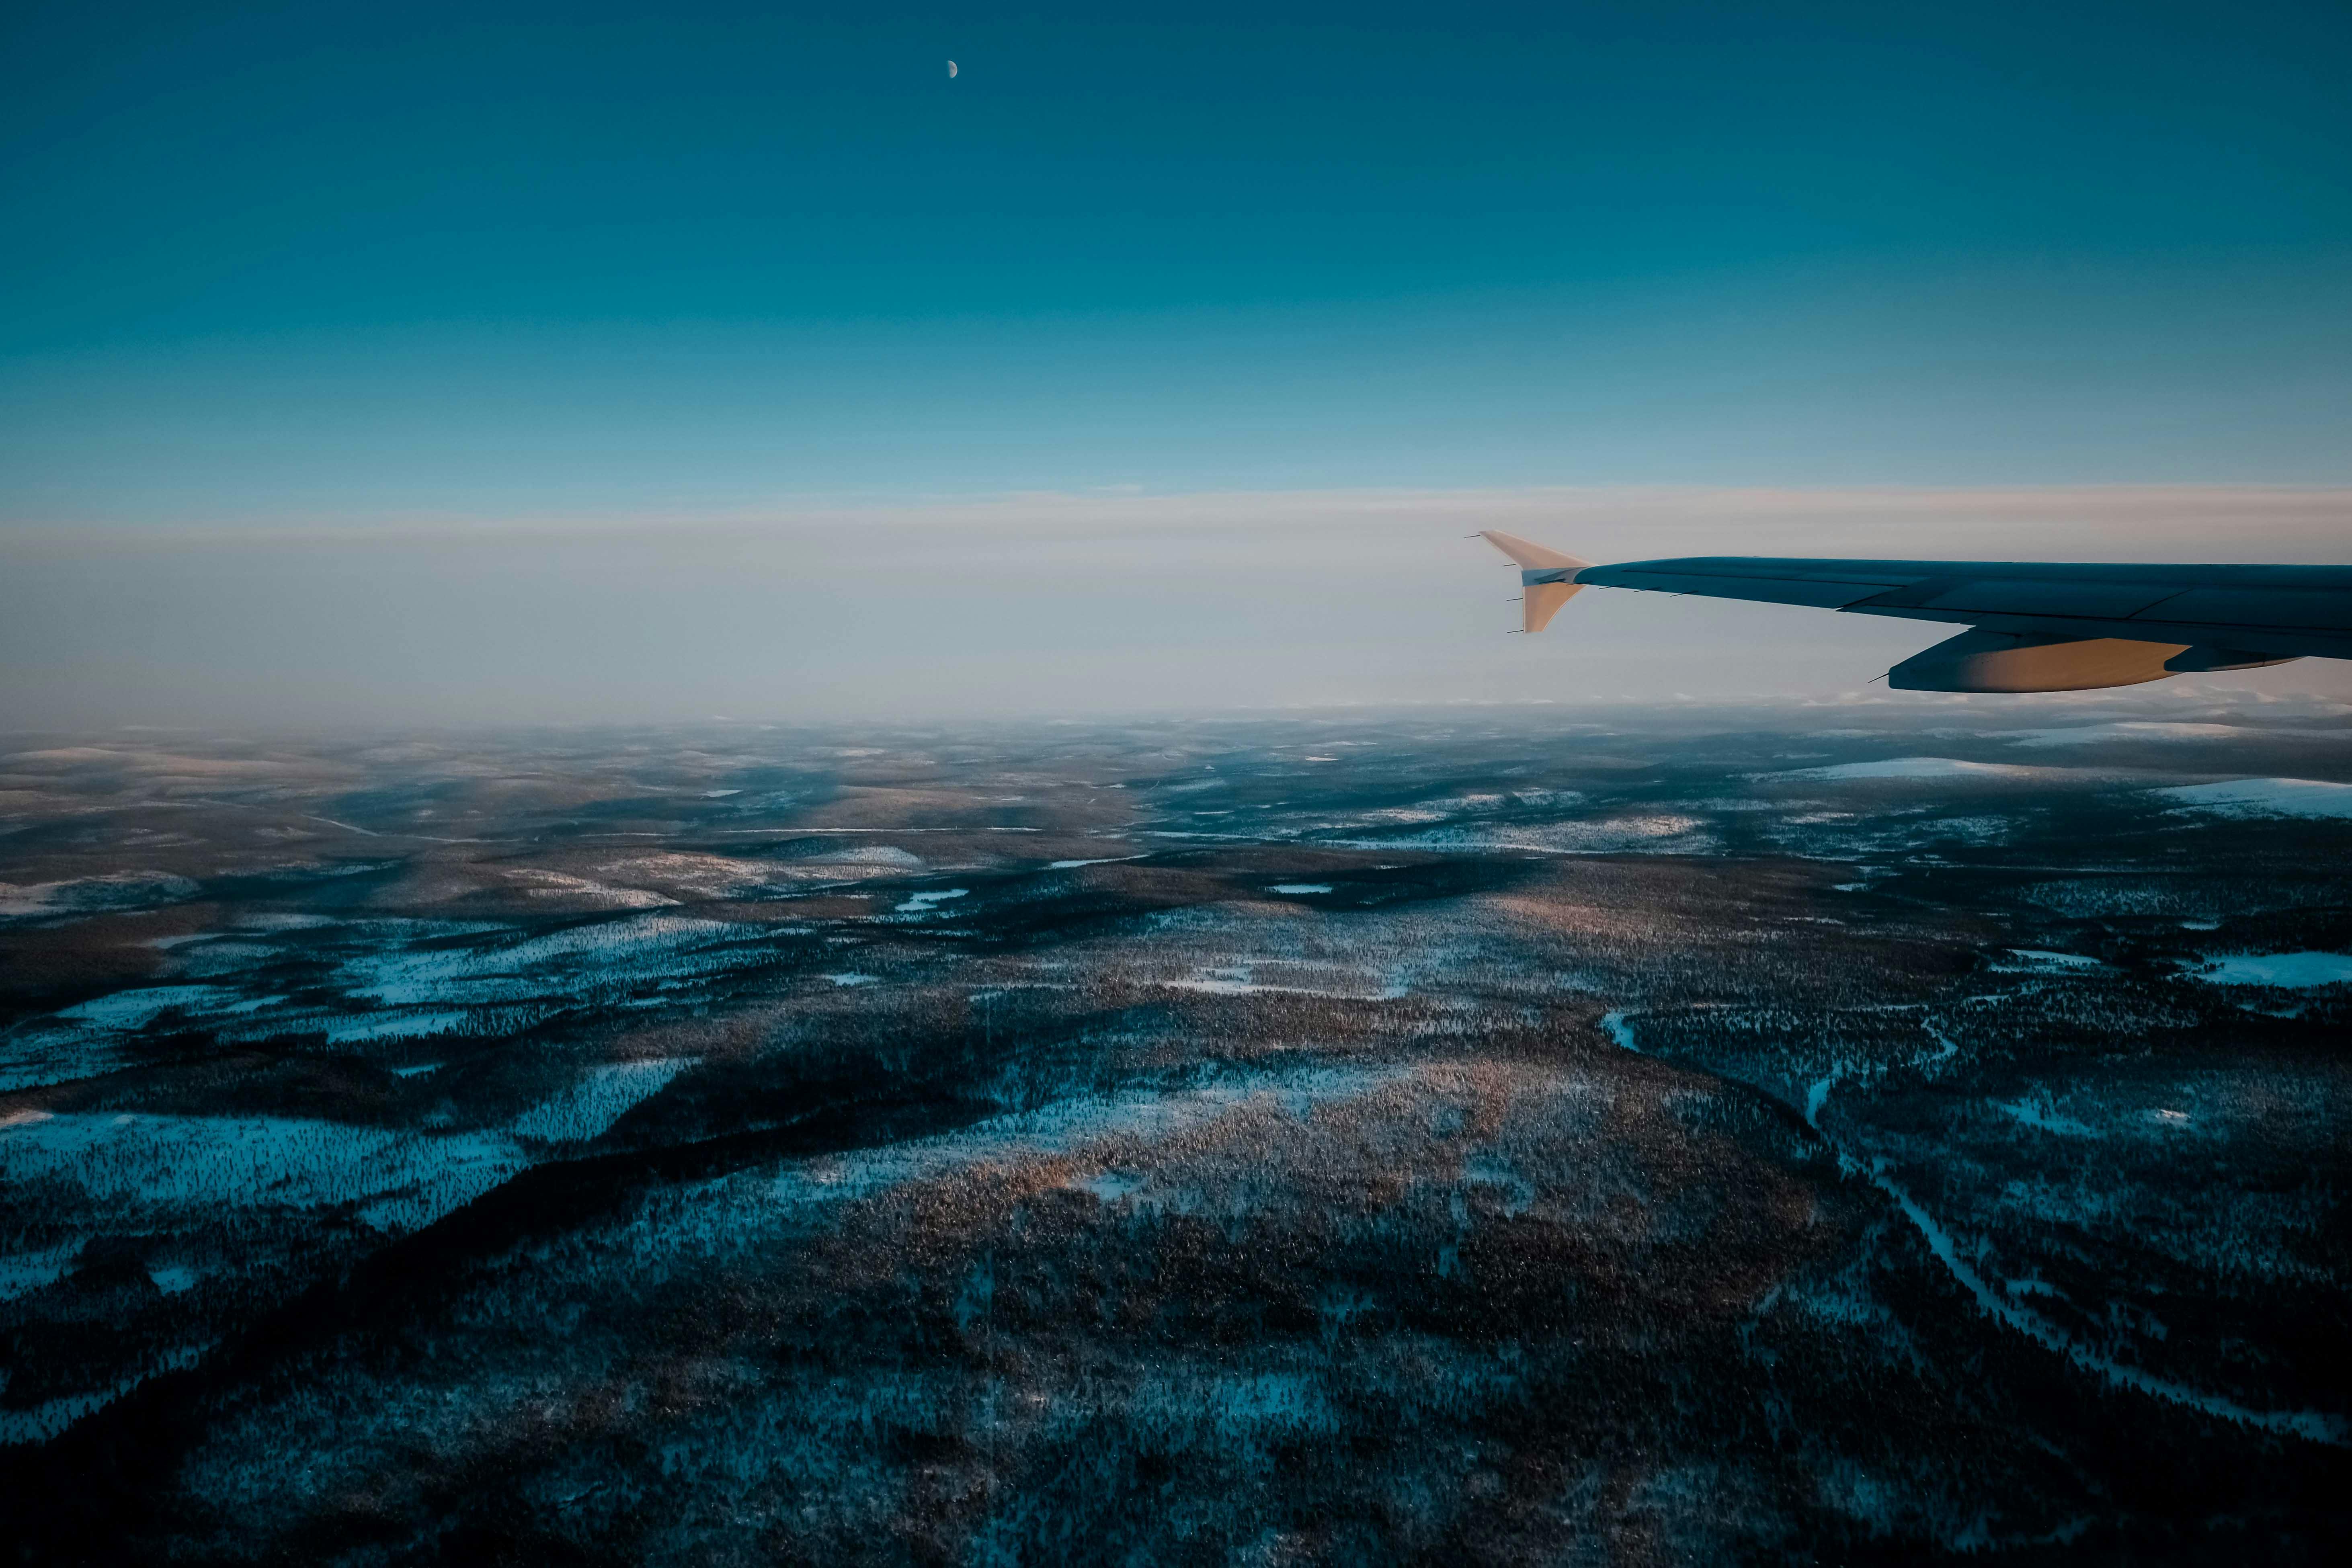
357, 262
485, 359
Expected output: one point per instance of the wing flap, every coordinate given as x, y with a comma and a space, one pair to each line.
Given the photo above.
2309, 610
2030, 596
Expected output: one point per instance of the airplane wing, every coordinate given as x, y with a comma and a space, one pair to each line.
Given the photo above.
2035, 627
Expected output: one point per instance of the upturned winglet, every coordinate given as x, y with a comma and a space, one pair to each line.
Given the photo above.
1547, 575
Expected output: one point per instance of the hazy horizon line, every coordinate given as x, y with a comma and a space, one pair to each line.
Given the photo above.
2166, 506
2175, 701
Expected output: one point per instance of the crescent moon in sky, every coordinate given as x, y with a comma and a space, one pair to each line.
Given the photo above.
952, 67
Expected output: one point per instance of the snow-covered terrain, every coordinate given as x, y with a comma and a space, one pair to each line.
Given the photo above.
1476, 1131
2264, 797
2287, 970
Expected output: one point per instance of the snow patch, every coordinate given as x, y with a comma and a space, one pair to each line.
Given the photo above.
604, 1095
1657, 834
93, 895
1110, 1186
23, 1273
1065, 1126
2040, 1113
2044, 961
172, 1277
405, 1179
480, 974
2286, 970
557, 885
2264, 797
2129, 730
1917, 768
136, 1009
396, 1026
1241, 980
873, 855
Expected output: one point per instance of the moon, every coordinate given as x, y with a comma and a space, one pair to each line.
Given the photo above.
951, 69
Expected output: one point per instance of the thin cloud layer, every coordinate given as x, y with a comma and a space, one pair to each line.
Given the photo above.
1030, 603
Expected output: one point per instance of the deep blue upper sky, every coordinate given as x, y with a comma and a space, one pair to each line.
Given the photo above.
356, 260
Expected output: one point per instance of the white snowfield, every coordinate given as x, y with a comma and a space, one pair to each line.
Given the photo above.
1919, 768
105, 1171
399, 1180
110, 1169
428, 979
1291, 977
1651, 832
2043, 960
2126, 729
402, 1179
601, 1097
627, 948
2264, 797
746, 1209
2284, 971
137, 1009
919, 905
119, 891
